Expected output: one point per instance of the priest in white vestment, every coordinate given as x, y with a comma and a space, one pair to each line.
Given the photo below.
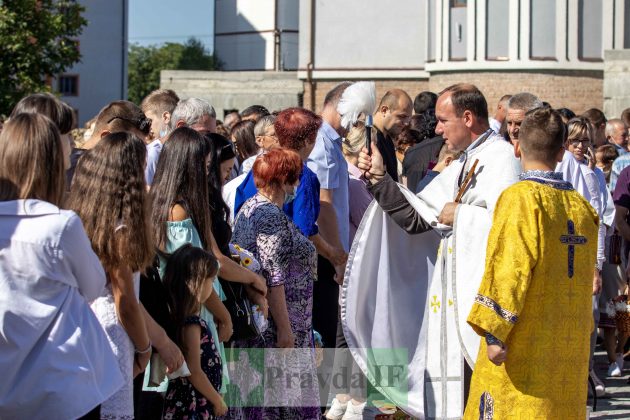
417, 261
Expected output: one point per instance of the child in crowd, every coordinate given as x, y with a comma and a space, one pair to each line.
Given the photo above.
445, 158
605, 155
189, 276
535, 295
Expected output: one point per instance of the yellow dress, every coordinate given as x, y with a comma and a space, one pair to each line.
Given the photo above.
535, 297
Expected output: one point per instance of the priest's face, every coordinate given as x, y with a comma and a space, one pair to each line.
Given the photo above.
452, 128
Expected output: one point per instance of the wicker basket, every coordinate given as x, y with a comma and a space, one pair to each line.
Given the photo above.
622, 318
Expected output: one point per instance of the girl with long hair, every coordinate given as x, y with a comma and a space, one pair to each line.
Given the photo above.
188, 279
54, 356
222, 155
181, 215
109, 195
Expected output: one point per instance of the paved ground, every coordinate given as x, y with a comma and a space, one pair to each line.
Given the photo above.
616, 403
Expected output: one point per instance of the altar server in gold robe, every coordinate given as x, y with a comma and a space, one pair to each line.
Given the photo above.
534, 303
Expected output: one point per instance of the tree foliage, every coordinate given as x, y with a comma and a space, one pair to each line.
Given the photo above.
145, 64
38, 38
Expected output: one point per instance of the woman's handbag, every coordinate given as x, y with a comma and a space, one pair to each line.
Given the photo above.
240, 309
237, 303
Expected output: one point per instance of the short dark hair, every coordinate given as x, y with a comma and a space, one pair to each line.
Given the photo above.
595, 116
467, 97
49, 105
334, 95
542, 134
566, 113
258, 110
424, 101
609, 153
407, 137
243, 135
425, 124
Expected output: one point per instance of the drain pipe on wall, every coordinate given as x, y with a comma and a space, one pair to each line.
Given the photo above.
311, 56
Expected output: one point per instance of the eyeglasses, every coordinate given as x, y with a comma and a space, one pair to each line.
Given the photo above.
143, 124
583, 142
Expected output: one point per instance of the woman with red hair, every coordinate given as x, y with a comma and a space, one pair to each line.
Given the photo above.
296, 129
288, 262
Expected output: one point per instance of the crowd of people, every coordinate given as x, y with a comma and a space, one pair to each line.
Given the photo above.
139, 252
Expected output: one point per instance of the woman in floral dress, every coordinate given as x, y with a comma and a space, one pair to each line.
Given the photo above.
288, 263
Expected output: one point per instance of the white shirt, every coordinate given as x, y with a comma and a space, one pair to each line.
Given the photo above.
248, 163
153, 156
495, 125
229, 194
55, 359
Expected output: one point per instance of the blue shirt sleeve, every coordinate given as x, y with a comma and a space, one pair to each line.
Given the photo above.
304, 210
322, 162
244, 192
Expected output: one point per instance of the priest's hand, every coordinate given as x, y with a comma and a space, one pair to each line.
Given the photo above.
372, 166
497, 354
447, 216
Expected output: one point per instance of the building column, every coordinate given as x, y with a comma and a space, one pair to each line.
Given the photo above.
561, 31
438, 30
446, 30
619, 13
513, 34
471, 30
572, 31
525, 29
608, 25
481, 30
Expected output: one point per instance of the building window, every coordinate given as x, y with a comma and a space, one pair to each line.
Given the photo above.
69, 85
459, 3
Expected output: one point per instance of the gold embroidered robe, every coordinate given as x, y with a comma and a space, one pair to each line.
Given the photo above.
535, 297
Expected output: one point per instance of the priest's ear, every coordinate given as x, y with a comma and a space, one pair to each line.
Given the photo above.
517, 149
469, 118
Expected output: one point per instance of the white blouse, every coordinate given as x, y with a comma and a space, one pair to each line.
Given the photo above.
55, 359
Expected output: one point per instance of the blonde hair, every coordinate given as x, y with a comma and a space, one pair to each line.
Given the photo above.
355, 139
31, 160
579, 127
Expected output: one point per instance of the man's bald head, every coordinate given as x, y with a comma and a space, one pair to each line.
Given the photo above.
396, 99
394, 112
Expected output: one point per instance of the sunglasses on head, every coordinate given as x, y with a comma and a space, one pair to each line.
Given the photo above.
143, 124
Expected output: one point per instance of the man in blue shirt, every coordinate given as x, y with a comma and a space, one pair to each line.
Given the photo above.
328, 163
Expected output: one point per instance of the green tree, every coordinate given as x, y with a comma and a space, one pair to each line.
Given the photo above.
145, 64
38, 39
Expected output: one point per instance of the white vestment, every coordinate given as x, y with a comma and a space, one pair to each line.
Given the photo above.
406, 298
